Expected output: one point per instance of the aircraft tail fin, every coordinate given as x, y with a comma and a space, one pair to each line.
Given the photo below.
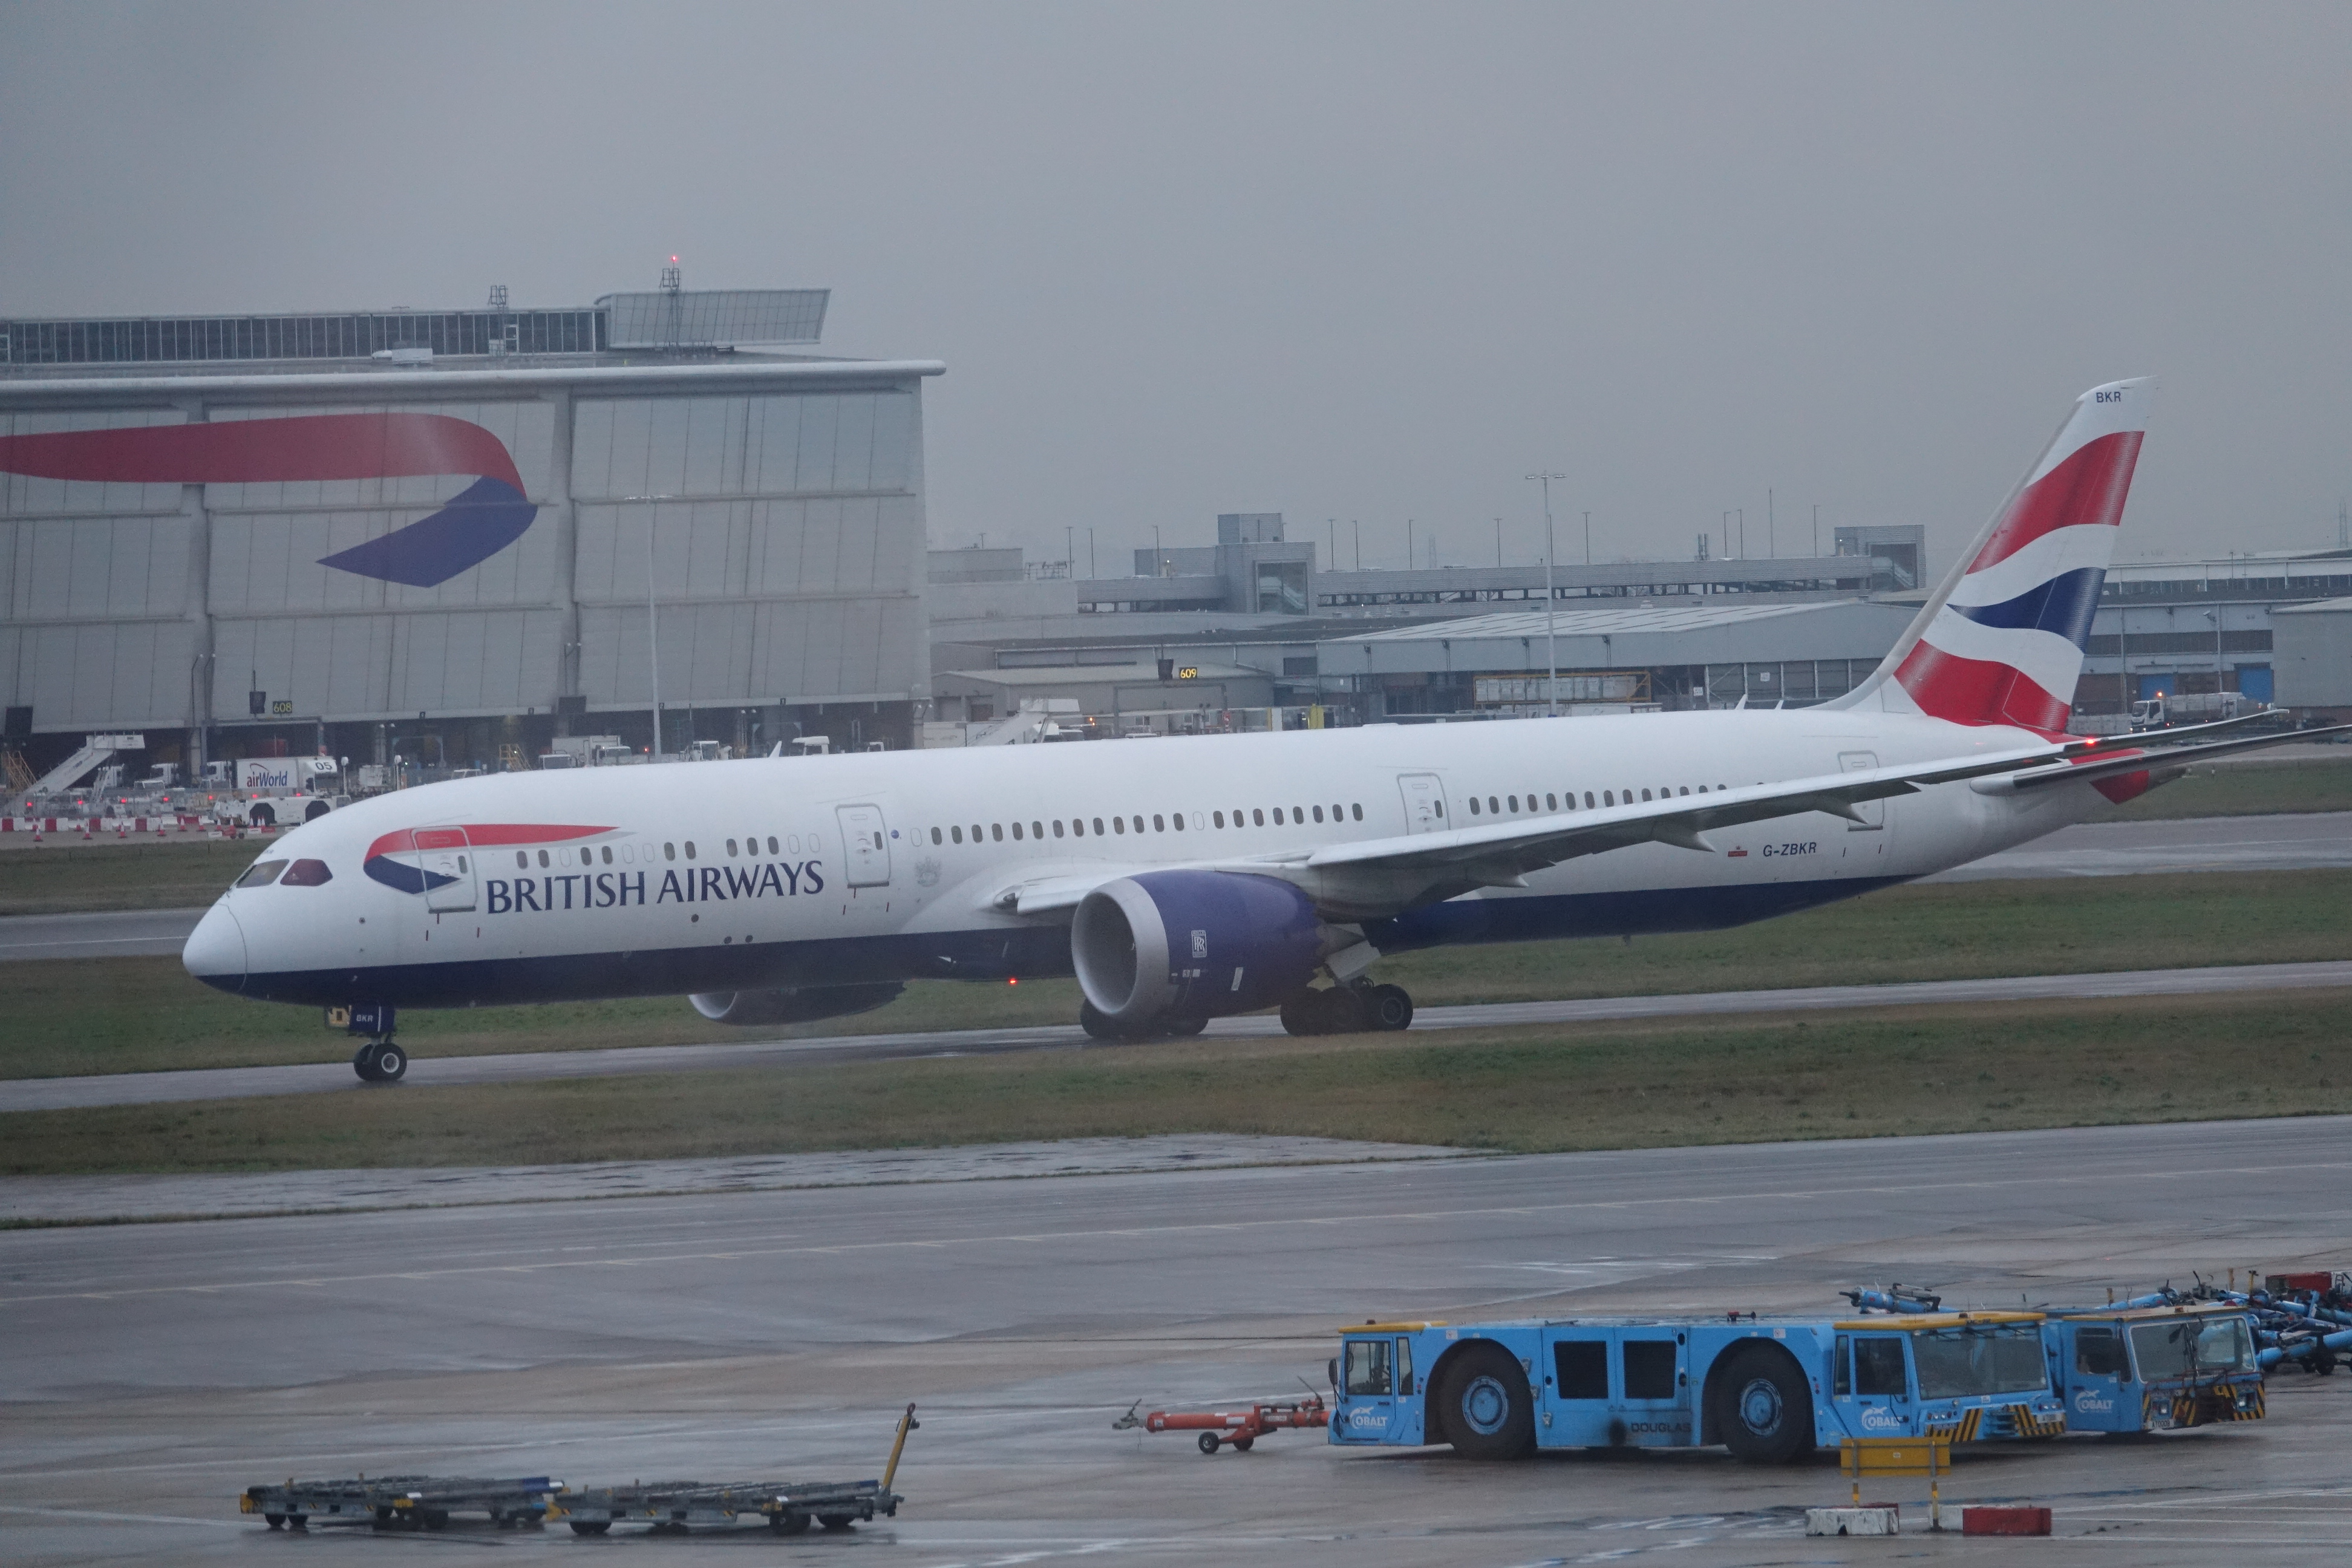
2001, 640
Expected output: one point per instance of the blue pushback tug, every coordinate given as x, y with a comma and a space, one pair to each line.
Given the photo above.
1769, 1390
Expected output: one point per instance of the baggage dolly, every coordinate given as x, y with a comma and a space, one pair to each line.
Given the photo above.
401, 1502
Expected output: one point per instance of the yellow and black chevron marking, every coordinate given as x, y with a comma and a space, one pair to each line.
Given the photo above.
2028, 1425
1964, 1431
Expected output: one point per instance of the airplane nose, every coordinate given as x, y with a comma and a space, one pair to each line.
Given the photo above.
215, 950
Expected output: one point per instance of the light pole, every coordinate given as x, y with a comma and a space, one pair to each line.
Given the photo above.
653, 617
1551, 602
1069, 550
1498, 543
1817, 528
1588, 543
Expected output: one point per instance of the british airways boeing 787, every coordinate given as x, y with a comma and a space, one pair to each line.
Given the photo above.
1193, 878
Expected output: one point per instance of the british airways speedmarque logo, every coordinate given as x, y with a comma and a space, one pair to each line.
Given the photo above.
425, 860
480, 520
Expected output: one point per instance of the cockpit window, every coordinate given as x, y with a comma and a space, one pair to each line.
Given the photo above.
307, 874
260, 874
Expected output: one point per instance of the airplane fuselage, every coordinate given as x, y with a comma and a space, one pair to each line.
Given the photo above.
880, 866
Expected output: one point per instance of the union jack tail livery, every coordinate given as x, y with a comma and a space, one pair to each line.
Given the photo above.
2003, 639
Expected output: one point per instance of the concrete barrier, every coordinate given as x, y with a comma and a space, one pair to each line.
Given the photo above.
1876, 1519
2011, 1521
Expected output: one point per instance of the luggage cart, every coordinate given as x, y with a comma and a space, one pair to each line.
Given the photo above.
402, 1502
786, 1506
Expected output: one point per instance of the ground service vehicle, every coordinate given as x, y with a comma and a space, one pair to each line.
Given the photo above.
2147, 1369
1769, 1390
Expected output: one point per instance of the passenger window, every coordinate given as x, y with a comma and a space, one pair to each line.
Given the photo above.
1551, 803
731, 849
669, 852
1878, 1367
1098, 827
1649, 1369
1159, 822
1493, 806
1645, 794
262, 873
1841, 1368
771, 840
1037, 830
1515, 803
1257, 816
542, 856
1178, 818
935, 836
1582, 1368
522, 858
1474, 805
1359, 813
955, 835
975, 833
1608, 797
1685, 789
608, 853
1077, 827
996, 831
1016, 830
1119, 825
1438, 806
1218, 818
1588, 800
2098, 1352
1297, 814
689, 851
1338, 815
1277, 817
1057, 827
1368, 1366
1318, 814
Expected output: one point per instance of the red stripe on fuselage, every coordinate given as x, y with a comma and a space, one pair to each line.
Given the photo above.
2089, 487
489, 835
1975, 691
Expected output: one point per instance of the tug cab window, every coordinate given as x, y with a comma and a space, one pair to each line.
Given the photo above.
1366, 1370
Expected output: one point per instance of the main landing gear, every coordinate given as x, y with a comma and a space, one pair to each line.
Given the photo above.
1359, 1008
381, 1061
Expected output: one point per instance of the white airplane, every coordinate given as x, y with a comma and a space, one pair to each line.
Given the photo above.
1195, 878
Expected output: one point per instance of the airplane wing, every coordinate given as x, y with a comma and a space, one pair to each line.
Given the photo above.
1384, 875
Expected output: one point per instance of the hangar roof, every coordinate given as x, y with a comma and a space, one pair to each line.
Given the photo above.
1635, 636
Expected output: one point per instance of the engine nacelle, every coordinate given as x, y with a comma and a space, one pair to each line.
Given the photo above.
1192, 945
794, 1004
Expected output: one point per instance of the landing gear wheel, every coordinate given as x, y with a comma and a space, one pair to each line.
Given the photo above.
1489, 1414
363, 1063
1097, 1024
1304, 1013
1208, 1442
1183, 1028
1346, 1011
1763, 1408
391, 1063
835, 1520
790, 1524
1390, 1008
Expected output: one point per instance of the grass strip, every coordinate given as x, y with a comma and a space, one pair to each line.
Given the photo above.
72, 1016
1954, 1068
2251, 787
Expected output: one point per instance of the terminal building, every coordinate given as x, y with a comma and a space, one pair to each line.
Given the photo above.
452, 535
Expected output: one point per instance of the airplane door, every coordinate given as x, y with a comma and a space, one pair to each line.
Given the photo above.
448, 865
866, 841
1873, 812
1424, 803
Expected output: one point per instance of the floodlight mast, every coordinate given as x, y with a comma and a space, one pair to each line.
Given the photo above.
1551, 602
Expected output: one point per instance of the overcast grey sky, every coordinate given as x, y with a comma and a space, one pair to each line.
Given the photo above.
1357, 262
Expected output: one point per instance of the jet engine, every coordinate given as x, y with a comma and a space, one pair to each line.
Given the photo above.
1187, 945
794, 1004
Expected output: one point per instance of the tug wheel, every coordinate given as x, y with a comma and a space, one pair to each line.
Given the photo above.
585, 1527
1763, 1408
1489, 1414
836, 1520
1242, 1444
1208, 1442
790, 1523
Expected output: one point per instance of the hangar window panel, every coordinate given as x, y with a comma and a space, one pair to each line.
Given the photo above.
821, 547
591, 449
894, 442
820, 423
778, 442
594, 549
703, 444
853, 445
669, 433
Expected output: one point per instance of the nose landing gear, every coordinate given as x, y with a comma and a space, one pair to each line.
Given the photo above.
381, 1061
